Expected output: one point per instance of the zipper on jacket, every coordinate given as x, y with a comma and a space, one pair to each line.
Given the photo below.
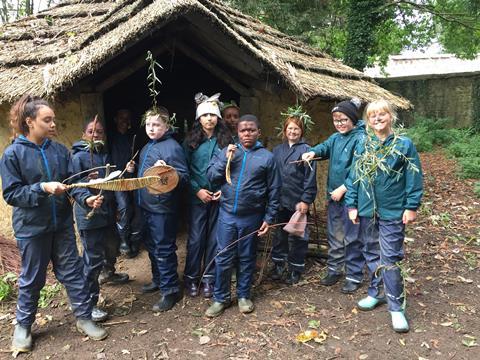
140, 171
239, 182
49, 175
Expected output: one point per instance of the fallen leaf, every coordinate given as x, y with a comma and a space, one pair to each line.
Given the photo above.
354, 311
314, 324
447, 323
402, 341
363, 357
125, 352
205, 339
66, 347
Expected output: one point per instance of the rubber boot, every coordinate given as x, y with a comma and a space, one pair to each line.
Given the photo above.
22, 339
91, 329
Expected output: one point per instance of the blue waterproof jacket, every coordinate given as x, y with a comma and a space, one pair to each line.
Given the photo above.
120, 149
198, 161
299, 182
167, 149
339, 148
255, 182
81, 161
392, 191
24, 165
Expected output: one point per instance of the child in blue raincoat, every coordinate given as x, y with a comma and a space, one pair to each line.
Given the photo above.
32, 170
298, 191
344, 247
97, 229
383, 203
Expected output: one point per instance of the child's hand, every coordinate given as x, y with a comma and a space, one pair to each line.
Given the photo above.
160, 163
92, 176
263, 229
231, 149
353, 215
217, 195
94, 201
130, 166
205, 195
409, 216
308, 156
338, 193
53, 187
302, 207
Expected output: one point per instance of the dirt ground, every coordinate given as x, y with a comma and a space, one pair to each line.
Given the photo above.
442, 261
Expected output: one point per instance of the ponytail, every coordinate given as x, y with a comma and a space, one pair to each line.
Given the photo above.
25, 107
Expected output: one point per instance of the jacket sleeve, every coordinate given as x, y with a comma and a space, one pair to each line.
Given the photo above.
413, 179
178, 161
352, 182
194, 187
323, 149
273, 192
79, 194
216, 168
15, 191
309, 183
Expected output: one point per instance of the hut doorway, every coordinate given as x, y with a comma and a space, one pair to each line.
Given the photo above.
181, 79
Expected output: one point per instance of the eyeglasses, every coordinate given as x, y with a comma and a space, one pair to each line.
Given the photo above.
340, 122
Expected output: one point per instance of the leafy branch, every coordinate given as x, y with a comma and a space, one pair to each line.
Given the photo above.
152, 78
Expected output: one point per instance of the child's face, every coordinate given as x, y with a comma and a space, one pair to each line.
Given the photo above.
231, 116
208, 122
342, 122
380, 121
97, 135
122, 120
43, 125
293, 132
155, 127
248, 133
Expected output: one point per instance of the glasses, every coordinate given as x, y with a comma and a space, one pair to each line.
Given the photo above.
340, 122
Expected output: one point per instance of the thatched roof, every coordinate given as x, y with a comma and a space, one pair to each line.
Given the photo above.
53, 50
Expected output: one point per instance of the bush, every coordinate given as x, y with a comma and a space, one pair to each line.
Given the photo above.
468, 146
7, 285
476, 189
470, 167
426, 133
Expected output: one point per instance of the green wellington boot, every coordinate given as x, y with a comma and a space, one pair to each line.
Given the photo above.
245, 305
216, 309
91, 329
22, 339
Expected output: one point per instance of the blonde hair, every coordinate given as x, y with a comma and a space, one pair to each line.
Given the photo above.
159, 113
381, 105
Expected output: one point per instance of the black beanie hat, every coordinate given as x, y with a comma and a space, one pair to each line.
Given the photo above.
349, 108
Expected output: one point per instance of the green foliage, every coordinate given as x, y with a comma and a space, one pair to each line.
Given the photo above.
476, 189
47, 294
363, 32
427, 133
296, 112
152, 79
469, 168
7, 285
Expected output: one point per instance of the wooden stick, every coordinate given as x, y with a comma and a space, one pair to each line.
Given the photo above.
227, 169
312, 159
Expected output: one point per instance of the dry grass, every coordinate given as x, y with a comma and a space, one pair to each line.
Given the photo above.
53, 50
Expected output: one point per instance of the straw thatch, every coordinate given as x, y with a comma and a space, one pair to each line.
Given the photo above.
55, 49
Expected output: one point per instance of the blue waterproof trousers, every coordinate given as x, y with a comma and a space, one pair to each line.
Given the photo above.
202, 243
230, 229
61, 249
344, 247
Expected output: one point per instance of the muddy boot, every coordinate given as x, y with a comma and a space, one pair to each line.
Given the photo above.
166, 302
216, 309
278, 271
245, 305
113, 278
92, 330
99, 315
124, 248
293, 277
22, 339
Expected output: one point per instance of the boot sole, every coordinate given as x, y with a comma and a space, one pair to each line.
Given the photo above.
81, 331
20, 349
401, 331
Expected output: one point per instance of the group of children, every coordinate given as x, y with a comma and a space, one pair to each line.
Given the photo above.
238, 191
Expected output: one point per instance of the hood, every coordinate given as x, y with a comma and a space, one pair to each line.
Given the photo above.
24, 141
81, 145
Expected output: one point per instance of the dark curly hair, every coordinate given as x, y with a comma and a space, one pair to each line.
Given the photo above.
196, 135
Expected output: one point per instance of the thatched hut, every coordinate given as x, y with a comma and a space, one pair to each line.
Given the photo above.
88, 57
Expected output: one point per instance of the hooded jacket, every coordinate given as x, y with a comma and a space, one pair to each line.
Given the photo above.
255, 182
81, 161
299, 182
24, 165
167, 149
198, 161
120, 146
392, 191
339, 148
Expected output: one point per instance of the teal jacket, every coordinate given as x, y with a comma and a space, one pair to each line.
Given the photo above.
392, 191
339, 148
198, 161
